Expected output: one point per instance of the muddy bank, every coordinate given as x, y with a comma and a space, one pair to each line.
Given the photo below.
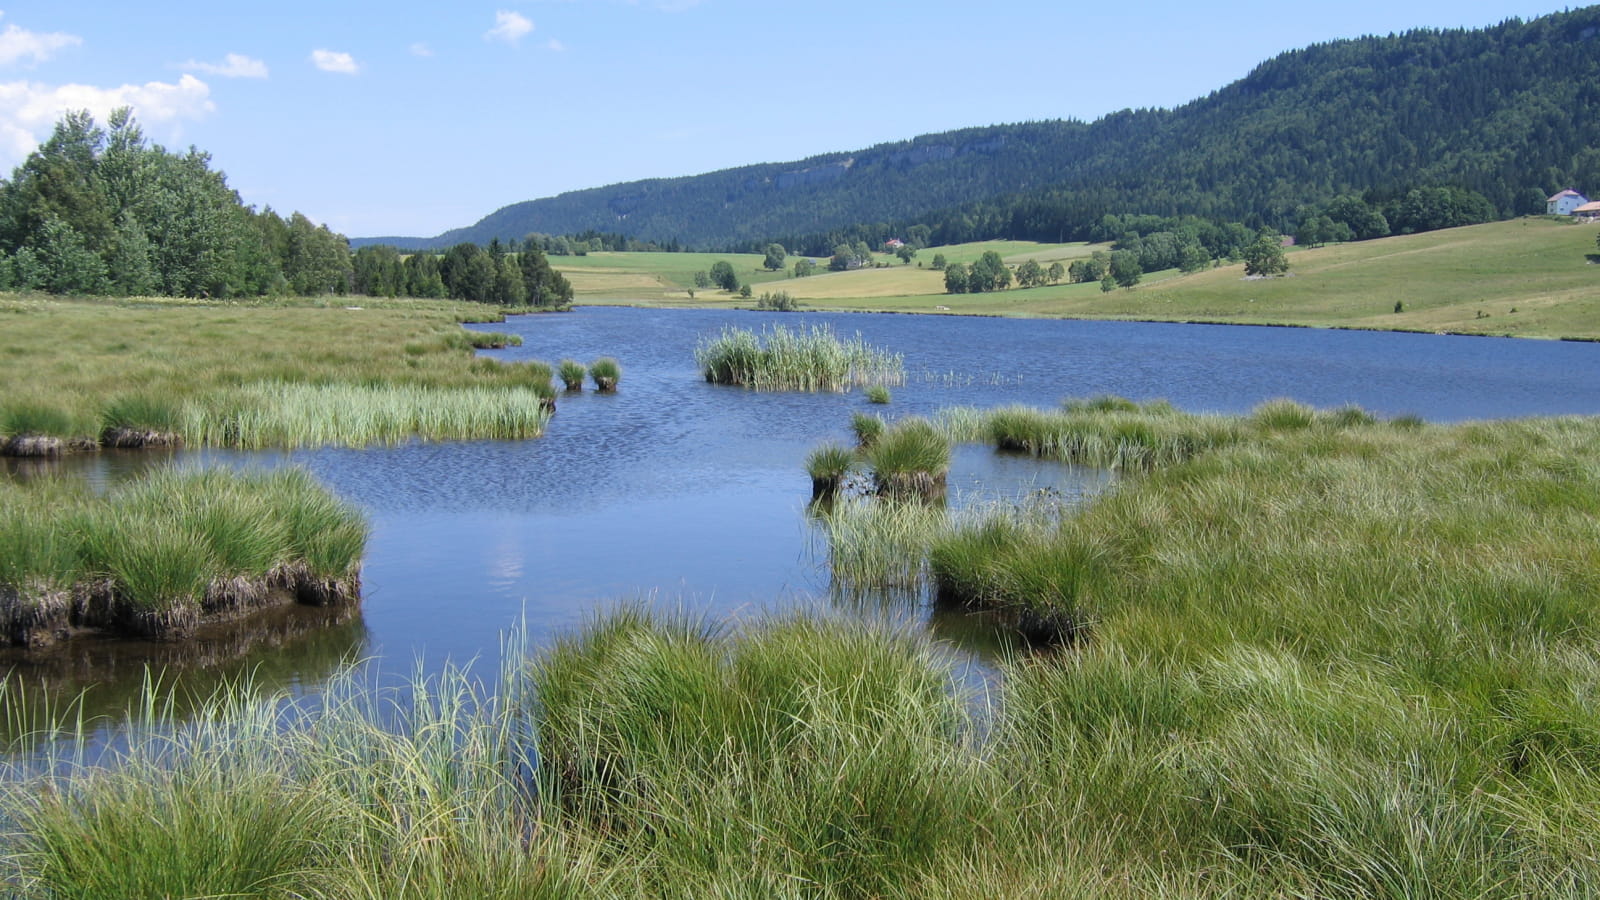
37, 616
43, 446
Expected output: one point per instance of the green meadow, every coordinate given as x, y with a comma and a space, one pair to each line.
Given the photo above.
1527, 278
668, 277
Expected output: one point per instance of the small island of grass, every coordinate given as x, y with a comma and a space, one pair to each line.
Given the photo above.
158, 556
812, 359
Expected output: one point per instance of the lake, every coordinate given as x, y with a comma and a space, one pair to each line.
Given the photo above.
690, 495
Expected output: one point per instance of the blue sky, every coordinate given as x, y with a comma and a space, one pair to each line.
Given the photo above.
411, 118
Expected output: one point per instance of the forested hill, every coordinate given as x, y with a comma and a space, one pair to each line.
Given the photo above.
1507, 111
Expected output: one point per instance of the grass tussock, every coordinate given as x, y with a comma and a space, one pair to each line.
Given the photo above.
605, 372
159, 555
823, 753
910, 459
867, 428
812, 359
572, 374
828, 465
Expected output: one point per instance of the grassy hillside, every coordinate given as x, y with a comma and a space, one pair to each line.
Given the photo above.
1528, 277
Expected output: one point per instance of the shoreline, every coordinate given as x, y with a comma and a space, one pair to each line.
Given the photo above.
1137, 320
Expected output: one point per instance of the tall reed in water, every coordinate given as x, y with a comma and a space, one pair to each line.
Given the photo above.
286, 414
812, 359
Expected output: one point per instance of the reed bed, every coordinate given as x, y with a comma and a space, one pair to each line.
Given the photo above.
285, 414
1113, 438
492, 340
875, 545
779, 359
159, 555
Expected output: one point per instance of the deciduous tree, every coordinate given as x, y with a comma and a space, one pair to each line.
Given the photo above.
1265, 257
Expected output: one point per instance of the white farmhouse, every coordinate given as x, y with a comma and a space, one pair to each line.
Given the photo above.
1564, 203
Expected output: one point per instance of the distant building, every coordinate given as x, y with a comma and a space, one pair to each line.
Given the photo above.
1589, 211
893, 244
1564, 203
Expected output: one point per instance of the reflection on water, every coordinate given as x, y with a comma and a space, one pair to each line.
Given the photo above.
693, 495
291, 649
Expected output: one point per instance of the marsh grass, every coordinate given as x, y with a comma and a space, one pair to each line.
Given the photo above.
877, 394
1337, 659
158, 555
876, 545
287, 414
778, 359
492, 340
867, 428
572, 374
823, 753
261, 795
144, 372
799, 756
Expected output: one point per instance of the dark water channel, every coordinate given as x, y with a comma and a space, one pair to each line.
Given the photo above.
685, 494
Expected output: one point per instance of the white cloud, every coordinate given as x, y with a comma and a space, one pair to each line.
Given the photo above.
29, 110
18, 44
331, 61
420, 48
555, 45
234, 65
509, 26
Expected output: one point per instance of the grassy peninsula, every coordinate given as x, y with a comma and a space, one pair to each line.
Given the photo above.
158, 556
1527, 277
264, 373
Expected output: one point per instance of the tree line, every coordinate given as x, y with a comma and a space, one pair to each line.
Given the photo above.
102, 211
